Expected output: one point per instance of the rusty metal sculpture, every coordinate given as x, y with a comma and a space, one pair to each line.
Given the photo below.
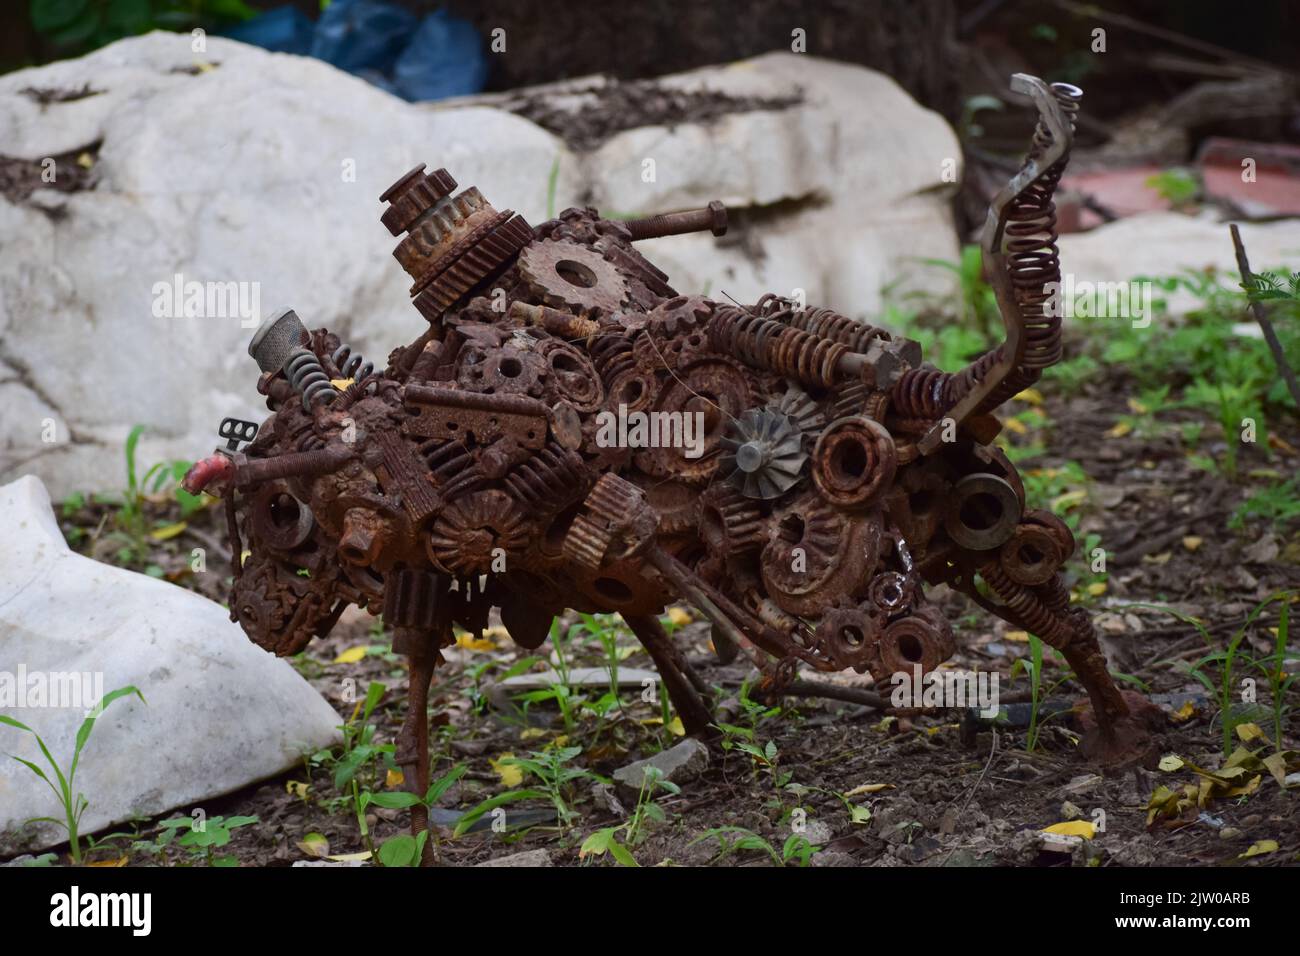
835, 475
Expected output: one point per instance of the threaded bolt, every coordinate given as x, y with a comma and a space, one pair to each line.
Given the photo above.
712, 217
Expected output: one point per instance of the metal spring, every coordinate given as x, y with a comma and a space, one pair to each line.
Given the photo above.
348, 364
611, 354
1033, 258
1024, 607
779, 348
454, 470
920, 393
829, 324
550, 480
308, 378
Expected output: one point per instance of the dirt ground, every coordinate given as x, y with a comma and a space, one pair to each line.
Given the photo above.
865, 789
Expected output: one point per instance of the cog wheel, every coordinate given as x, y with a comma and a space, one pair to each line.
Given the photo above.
483, 256
467, 532
730, 523
566, 275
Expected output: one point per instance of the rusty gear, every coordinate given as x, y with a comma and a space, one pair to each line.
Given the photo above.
563, 274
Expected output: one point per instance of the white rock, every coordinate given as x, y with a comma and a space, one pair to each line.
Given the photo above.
1163, 244
220, 713
239, 173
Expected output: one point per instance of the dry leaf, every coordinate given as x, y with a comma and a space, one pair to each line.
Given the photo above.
1249, 732
394, 778
296, 788
315, 845
1018, 636
678, 617
168, 531
352, 655
1079, 828
1119, 430
1170, 762
868, 788
1030, 395
1191, 542
1259, 848
511, 775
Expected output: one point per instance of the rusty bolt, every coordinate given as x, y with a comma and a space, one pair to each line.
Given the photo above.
712, 217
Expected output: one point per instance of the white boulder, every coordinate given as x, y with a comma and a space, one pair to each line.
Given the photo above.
221, 713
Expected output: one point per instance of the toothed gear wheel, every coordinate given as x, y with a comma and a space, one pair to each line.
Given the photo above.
609, 506
566, 275
468, 531
679, 315
730, 523
763, 453
482, 258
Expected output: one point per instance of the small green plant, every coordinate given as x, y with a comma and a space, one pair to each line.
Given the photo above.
202, 836
72, 801
556, 778
355, 770
1278, 503
1226, 660
131, 524
647, 809
979, 304
736, 839
405, 849
1178, 187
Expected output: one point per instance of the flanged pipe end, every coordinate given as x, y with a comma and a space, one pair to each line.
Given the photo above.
717, 218
275, 338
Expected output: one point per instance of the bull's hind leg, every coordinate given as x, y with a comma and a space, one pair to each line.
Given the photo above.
1117, 731
675, 672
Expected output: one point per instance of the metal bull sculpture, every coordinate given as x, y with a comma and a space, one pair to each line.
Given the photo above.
570, 432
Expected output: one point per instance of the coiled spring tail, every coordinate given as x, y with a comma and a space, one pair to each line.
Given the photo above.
308, 378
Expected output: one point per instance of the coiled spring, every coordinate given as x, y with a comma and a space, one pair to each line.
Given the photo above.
550, 480
353, 366
611, 354
1026, 608
776, 347
308, 378
829, 324
455, 471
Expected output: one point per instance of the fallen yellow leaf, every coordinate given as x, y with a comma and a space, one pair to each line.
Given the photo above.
1018, 636
85, 161
1015, 425
296, 788
394, 778
1079, 828
1069, 499
471, 643
675, 727
1097, 588
511, 775
1118, 430
678, 617
1249, 731
350, 857
1170, 762
1030, 395
1259, 848
531, 733
1136, 407
351, 655
168, 531
1191, 542
120, 861
868, 788
1185, 712
314, 845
